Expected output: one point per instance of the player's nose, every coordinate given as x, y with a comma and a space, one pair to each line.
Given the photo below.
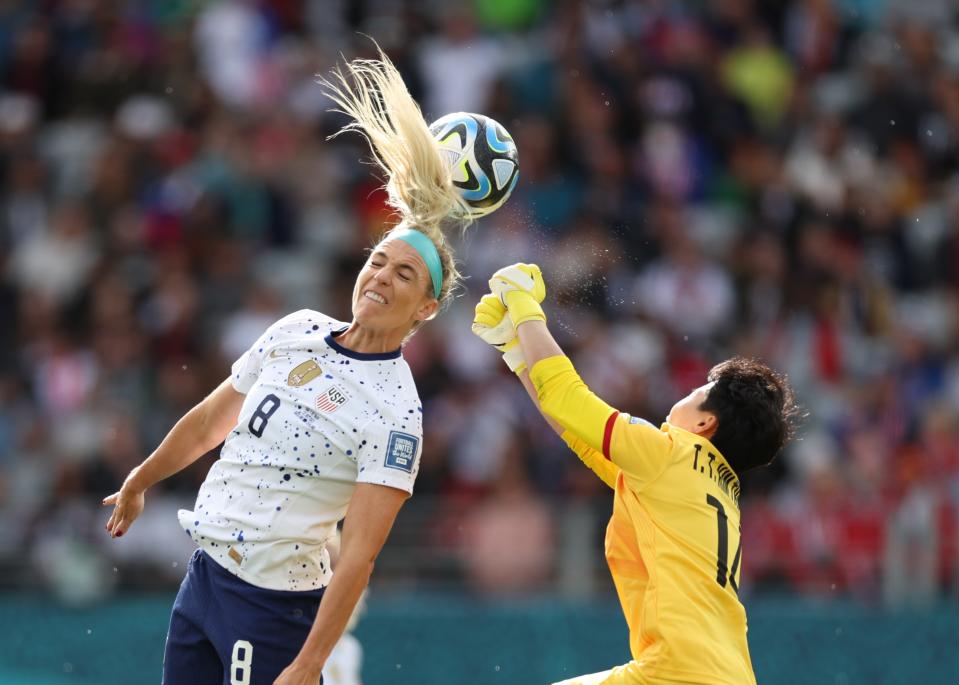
383, 275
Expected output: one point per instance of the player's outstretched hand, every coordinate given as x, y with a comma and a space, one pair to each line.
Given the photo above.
127, 505
491, 322
492, 325
521, 288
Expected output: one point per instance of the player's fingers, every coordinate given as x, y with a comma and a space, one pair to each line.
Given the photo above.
481, 311
490, 301
483, 315
487, 320
110, 499
489, 311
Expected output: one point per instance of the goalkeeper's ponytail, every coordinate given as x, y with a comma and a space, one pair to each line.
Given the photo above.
419, 183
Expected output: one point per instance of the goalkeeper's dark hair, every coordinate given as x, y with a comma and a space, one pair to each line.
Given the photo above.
755, 412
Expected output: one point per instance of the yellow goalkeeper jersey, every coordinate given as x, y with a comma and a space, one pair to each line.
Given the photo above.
673, 542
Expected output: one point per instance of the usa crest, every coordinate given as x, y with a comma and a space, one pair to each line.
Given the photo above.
331, 400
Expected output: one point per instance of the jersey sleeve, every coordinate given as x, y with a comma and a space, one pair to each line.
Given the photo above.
633, 445
389, 453
639, 448
607, 471
246, 369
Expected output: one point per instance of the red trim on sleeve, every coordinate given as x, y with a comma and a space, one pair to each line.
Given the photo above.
608, 433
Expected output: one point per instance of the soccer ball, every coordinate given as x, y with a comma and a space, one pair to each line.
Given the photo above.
482, 156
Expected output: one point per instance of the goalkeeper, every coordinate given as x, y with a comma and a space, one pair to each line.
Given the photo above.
673, 541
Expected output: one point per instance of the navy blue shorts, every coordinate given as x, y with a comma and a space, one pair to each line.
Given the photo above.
225, 631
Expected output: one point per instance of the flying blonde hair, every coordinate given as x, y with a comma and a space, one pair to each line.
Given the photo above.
419, 182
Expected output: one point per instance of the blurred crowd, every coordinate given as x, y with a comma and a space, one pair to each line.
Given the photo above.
698, 179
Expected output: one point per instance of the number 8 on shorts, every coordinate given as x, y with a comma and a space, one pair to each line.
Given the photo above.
240, 663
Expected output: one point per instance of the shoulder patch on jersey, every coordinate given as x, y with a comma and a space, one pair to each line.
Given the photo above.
303, 373
401, 451
636, 419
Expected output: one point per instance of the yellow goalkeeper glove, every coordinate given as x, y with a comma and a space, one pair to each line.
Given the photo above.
492, 325
521, 288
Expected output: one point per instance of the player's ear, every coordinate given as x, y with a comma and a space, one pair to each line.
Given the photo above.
706, 425
428, 309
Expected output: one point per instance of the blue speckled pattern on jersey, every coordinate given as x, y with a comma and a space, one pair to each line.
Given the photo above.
315, 422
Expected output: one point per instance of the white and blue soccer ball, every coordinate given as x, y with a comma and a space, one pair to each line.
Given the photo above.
482, 156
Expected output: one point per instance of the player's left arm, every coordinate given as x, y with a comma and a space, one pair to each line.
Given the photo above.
372, 511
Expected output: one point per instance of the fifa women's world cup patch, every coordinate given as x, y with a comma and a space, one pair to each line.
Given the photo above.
334, 398
303, 373
401, 451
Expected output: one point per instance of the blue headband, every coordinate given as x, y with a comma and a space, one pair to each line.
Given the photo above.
427, 250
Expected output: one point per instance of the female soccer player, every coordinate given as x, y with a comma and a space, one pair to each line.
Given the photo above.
320, 419
672, 543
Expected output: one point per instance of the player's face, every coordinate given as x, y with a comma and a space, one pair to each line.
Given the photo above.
686, 413
393, 290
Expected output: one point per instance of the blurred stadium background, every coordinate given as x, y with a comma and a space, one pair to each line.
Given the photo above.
773, 178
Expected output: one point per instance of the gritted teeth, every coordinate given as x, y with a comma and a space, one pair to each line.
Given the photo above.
376, 297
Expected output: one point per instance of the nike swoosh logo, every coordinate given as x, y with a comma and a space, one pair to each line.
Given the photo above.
274, 355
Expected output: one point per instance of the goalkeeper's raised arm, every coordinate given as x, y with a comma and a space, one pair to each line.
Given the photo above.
493, 325
586, 421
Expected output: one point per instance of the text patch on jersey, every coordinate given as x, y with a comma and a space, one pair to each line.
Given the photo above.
304, 373
331, 400
401, 451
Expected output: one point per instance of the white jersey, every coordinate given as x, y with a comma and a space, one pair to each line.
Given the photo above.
317, 420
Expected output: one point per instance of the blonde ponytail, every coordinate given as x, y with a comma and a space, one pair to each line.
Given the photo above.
419, 183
